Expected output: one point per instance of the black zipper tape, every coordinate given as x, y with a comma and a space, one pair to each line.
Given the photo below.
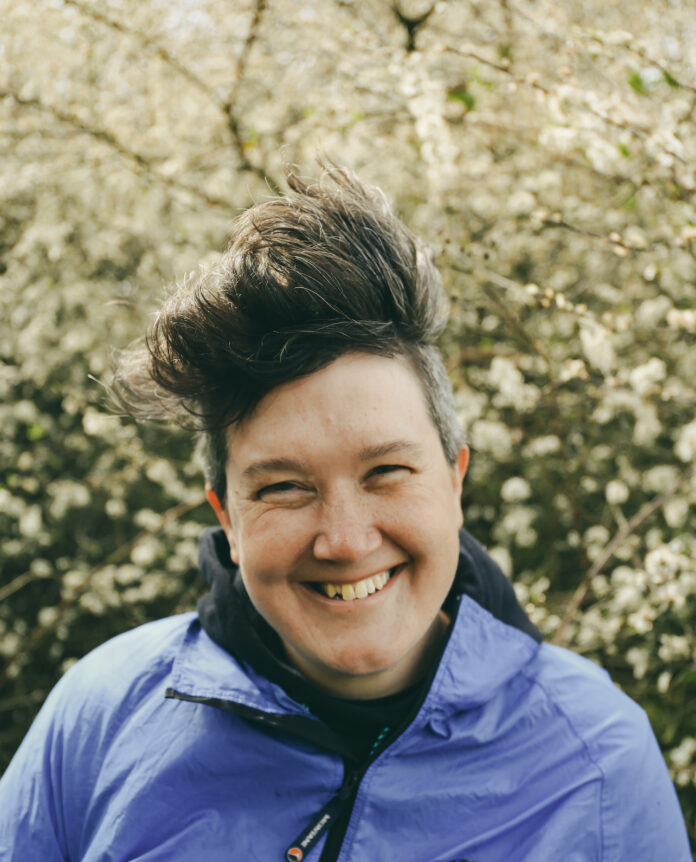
321, 822
307, 839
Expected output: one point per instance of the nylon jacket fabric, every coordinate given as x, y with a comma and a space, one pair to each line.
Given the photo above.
521, 752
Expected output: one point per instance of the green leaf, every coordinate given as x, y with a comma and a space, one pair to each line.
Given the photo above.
636, 81
461, 94
624, 150
35, 431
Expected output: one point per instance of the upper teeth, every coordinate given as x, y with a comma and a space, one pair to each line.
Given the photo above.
358, 590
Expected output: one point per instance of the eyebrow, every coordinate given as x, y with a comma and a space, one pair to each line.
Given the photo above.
270, 465
395, 447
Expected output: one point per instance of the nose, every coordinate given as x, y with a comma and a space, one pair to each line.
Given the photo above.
347, 530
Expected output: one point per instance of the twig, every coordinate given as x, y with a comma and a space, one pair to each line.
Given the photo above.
614, 239
229, 106
490, 278
531, 81
17, 584
610, 549
142, 164
652, 62
225, 106
145, 40
411, 25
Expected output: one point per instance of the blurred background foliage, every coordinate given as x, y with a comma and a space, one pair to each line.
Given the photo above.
546, 151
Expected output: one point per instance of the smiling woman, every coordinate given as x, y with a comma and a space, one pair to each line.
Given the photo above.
339, 480
417, 716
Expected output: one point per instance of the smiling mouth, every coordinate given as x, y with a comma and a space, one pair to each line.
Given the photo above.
358, 590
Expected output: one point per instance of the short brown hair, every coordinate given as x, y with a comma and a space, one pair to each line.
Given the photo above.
324, 271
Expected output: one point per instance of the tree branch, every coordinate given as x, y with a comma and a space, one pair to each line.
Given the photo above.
610, 549
17, 583
142, 164
411, 25
531, 81
227, 107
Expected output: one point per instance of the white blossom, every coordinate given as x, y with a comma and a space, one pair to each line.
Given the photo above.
685, 447
597, 345
616, 492
515, 490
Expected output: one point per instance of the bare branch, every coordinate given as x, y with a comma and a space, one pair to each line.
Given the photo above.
17, 583
411, 25
227, 107
141, 163
531, 81
610, 549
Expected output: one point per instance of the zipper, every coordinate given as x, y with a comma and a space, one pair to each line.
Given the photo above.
336, 814
334, 840
325, 819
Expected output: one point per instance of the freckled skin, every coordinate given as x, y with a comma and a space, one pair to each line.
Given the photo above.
333, 478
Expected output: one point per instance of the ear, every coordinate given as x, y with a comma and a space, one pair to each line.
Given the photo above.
224, 519
458, 473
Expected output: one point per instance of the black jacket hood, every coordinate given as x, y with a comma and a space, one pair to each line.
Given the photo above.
228, 616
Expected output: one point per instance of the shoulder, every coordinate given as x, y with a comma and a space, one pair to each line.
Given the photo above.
109, 683
583, 694
50, 782
610, 725
144, 654
639, 808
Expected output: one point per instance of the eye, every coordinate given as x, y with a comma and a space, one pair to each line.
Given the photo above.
389, 470
281, 491
276, 487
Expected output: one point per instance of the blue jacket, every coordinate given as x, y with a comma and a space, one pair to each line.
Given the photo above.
160, 747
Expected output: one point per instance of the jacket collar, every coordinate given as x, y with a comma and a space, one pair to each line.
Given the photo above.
482, 654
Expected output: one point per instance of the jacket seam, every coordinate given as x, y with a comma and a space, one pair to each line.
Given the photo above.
590, 756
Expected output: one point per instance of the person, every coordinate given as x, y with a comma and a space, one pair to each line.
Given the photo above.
360, 682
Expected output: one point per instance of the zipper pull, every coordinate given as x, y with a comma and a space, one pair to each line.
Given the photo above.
307, 839
319, 824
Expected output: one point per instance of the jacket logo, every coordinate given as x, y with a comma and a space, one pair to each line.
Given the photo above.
294, 854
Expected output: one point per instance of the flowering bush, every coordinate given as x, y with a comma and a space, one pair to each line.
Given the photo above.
546, 151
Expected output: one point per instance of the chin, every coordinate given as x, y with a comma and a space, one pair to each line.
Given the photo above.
364, 666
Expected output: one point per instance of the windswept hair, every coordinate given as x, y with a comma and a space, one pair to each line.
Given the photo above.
324, 271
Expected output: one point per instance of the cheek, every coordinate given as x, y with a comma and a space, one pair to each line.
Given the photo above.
270, 545
426, 509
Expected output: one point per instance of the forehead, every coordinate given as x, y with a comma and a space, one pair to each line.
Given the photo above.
356, 403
